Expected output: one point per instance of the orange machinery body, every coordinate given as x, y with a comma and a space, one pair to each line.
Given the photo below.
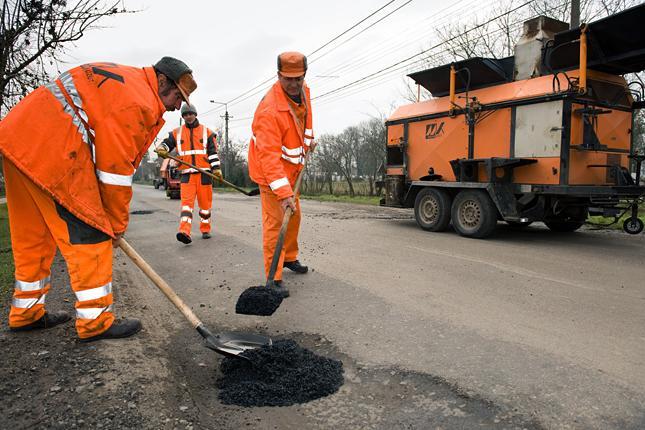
538, 131
170, 177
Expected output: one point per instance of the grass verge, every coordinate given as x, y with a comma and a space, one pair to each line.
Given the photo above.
360, 200
602, 221
6, 257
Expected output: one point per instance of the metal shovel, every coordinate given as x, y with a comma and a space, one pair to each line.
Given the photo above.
228, 344
253, 192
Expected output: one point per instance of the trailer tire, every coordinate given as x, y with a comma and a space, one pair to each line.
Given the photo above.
432, 209
474, 214
633, 225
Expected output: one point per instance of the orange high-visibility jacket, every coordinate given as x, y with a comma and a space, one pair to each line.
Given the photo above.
196, 145
90, 175
279, 142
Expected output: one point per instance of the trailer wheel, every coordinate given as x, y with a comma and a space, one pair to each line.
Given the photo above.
474, 214
633, 225
432, 209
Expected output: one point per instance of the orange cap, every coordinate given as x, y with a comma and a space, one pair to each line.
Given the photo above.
186, 85
292, 64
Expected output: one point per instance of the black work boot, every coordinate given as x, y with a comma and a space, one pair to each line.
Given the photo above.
118, 330
48, 320
279, 287
183, 238
295, 266
206, 235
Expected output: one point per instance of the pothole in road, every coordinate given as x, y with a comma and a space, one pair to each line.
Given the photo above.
282, 374
370, 396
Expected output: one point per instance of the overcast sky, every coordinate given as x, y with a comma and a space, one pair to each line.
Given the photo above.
232, 47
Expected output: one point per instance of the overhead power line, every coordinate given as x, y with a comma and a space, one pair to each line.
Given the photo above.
398, 63
236, 99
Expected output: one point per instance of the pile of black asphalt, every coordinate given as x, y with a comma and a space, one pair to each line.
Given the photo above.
259, 300
282, 374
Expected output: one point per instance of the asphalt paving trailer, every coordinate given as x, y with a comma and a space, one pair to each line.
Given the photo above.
544, 135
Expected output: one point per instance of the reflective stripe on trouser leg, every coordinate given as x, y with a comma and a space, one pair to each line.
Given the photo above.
33, 248
205, 202
271, 221
28, 303
291, 237
188, 192
91, 280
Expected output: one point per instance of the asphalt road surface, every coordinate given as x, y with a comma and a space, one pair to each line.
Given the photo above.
527, 329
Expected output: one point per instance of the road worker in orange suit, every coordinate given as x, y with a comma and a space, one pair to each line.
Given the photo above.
282, 135
196, 145
70, 150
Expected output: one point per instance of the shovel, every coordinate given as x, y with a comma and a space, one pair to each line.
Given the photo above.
228, 344
283, 230
253, 192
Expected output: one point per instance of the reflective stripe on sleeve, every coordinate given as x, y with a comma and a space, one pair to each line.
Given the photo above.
94, 293
114, 179
294, 160
28, 303
215, 164
308, 141
278, 183
213, 157
194, 152
309, 132
92, 313
292, 152
32, 286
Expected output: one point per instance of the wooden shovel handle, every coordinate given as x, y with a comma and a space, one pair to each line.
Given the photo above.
207, 173
283, 228
159, 282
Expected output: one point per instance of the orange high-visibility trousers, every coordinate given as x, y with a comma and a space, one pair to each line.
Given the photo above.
38, 226
272, 216
201, 186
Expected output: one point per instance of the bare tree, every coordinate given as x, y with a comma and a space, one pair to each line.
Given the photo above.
343, 154
33, 38
372, 150
325, 147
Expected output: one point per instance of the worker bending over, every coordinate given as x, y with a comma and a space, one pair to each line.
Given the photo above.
196, 145
282, 135
70, 150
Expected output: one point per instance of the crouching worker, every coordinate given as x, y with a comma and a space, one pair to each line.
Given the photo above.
70, 150
196, 145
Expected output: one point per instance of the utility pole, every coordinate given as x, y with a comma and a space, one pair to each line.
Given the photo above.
226, 117
575, 14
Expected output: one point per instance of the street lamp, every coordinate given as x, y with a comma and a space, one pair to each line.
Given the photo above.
226, 118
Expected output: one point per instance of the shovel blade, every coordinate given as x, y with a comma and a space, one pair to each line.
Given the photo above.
233, 344
253, 192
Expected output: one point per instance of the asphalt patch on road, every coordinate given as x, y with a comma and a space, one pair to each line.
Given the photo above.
282, 374
259, 300
142, 212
